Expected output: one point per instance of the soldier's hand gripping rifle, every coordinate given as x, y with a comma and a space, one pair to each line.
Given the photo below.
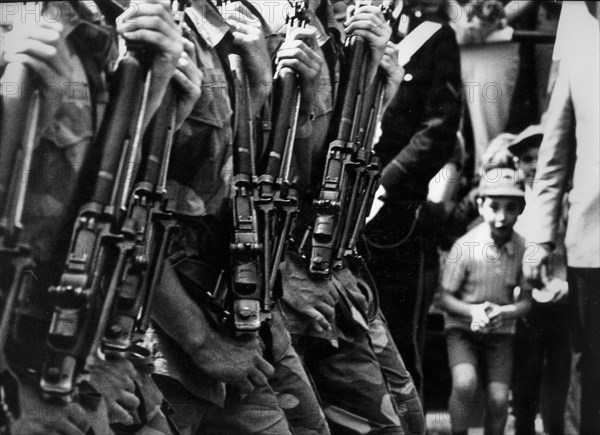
367, 168
259, 203
246, 249
146, 231
328, 206
88, 286
18, 127
277, 192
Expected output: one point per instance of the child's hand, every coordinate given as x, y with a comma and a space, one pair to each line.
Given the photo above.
498, 315
559, 288
479, 316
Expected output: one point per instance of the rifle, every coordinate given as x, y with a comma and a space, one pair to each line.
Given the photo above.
286, 89
343, 133
247, 251
147, 231
263, 206
88, 285
277, 197
367, 167
351, 169
19, 113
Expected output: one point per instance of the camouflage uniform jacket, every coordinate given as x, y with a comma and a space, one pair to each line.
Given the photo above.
353, 294
199, 184
60, 175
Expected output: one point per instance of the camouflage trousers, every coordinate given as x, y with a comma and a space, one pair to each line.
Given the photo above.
293, 388
90, 412
351, 386
360, 377
158, 425
400, 382
257, 412
288, 405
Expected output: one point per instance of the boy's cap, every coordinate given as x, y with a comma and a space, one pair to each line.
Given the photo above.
531, 137
502, 182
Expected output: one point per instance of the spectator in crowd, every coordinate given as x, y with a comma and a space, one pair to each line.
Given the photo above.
569, 160
462, 214
479, 279
542, 345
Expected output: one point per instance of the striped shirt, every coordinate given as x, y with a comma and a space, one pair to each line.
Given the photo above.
476, 270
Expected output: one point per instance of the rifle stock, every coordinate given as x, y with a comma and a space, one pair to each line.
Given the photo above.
19, 114
352, 170
263, 206
82, 296
277, 190
367, 169
146, 231
335, 183
246, 248
146, 223
240, 304
285, 198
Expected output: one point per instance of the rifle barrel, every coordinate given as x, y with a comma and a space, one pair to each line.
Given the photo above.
20, 113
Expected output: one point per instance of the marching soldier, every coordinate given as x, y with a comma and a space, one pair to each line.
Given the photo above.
215, 380
335, 322
69, 51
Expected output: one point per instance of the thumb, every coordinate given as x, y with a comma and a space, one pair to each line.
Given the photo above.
118, 414
320, 323
544, 274
265, 367
350, 11
532, 272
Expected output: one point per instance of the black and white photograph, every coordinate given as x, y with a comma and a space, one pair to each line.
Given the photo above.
299, 217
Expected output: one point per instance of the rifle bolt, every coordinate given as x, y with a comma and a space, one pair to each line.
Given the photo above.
245, 313
53, 372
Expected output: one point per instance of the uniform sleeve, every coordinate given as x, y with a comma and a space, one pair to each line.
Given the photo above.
430, 148
554, 164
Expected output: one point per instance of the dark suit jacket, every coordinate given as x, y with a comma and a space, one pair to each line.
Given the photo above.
419, 127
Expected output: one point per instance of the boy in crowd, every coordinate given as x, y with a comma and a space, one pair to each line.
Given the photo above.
478, 285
